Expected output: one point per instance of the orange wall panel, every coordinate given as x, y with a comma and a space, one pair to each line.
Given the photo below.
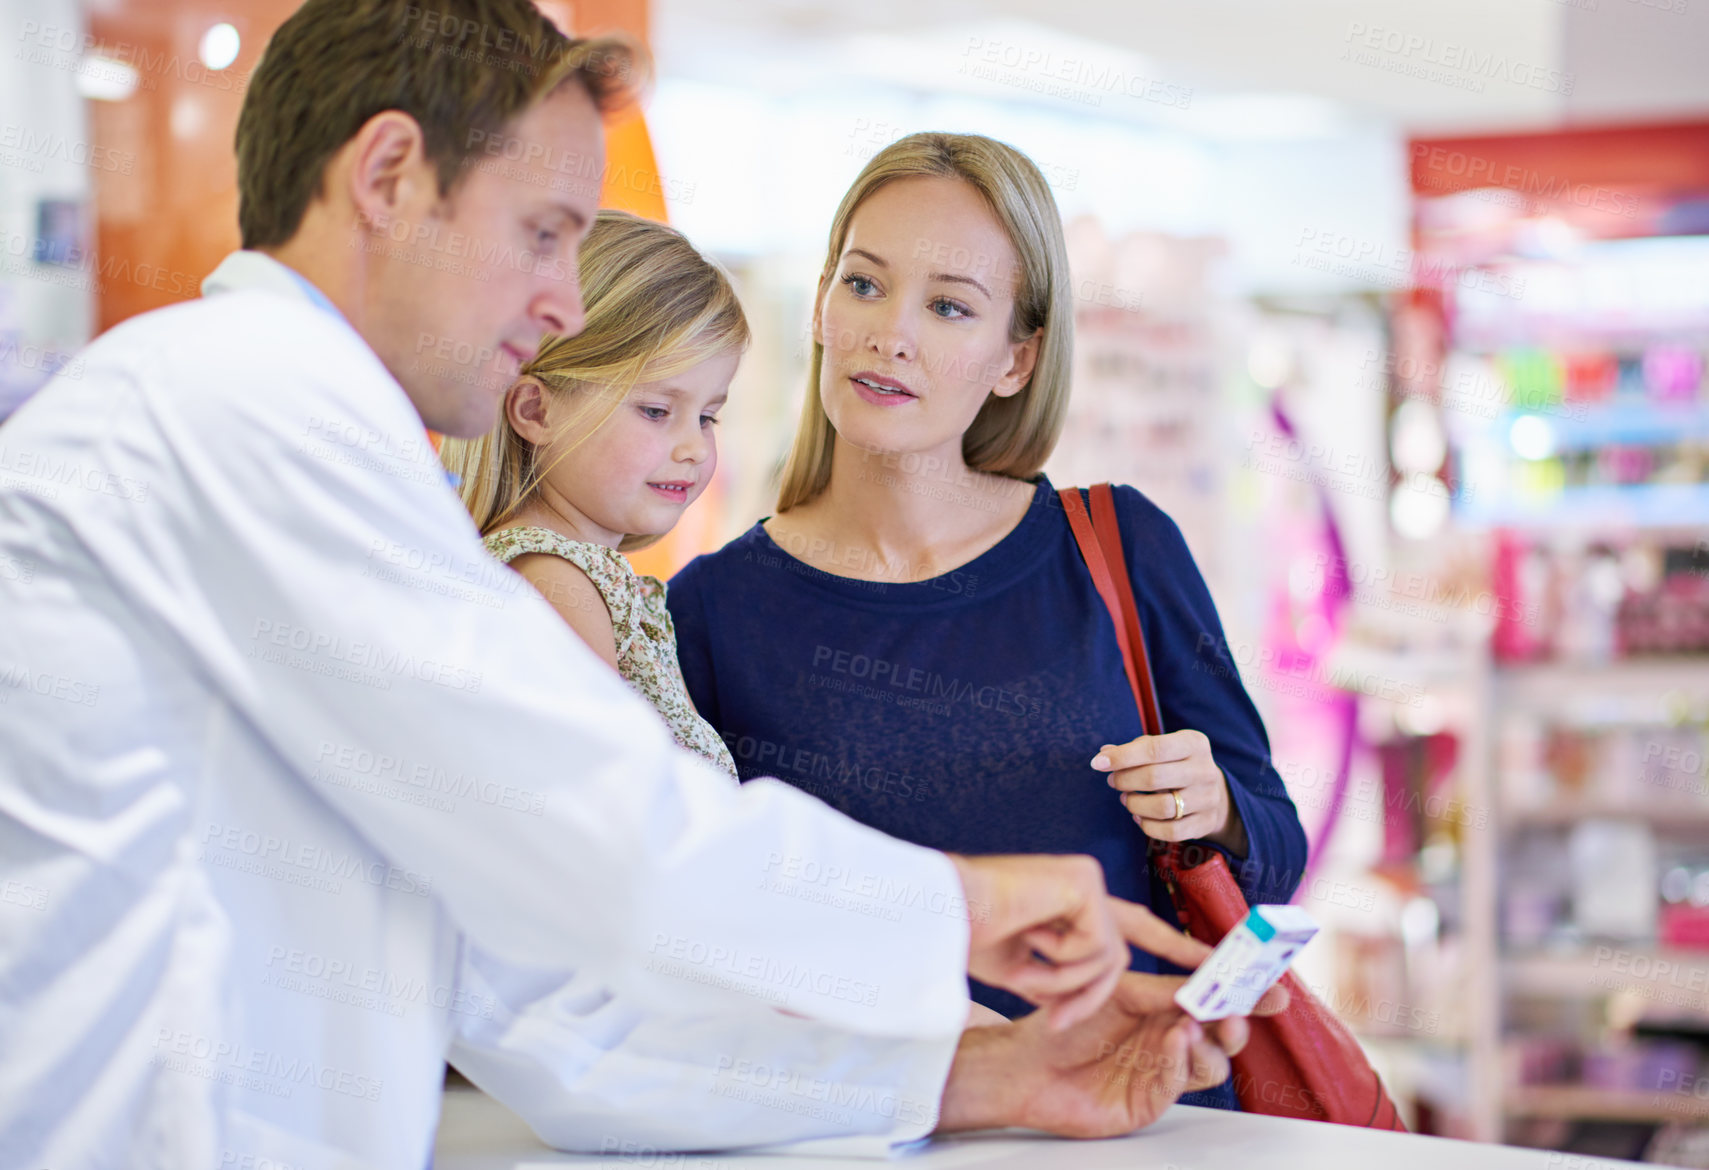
165, 225
169, 222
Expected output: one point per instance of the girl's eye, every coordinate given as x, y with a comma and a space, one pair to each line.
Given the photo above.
654, 413
708, 420
859, 285
957, 311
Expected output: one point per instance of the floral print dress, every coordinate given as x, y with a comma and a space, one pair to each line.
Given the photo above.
646, 640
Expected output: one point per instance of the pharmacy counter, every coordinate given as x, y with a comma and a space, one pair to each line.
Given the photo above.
477, 1133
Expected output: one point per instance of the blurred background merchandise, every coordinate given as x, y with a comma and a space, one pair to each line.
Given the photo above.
1401, 311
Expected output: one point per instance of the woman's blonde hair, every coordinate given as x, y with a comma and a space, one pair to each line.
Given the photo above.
1010, 436
655, 307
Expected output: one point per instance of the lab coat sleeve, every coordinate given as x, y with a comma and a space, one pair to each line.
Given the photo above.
590, 1072
304, 547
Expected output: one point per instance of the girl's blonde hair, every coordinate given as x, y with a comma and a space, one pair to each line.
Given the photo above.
655, 307
1010, 436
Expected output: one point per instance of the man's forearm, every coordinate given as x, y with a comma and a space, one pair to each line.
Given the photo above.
983, 1084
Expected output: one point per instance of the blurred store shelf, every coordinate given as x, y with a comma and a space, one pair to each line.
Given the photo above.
1658, 506
1608, 969
1575, 1101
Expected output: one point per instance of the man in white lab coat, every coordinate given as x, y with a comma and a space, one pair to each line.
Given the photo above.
300, 793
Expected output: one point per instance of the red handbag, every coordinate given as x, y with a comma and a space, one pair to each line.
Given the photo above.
1303, 1062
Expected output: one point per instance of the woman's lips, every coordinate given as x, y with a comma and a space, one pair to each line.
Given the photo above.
880, 391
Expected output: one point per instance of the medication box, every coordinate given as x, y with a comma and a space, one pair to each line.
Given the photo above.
1245, 964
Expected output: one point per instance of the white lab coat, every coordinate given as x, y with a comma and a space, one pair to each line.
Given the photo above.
300, 793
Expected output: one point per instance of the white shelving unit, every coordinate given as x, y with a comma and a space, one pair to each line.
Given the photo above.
1630, 694
1573, 367
1456, 681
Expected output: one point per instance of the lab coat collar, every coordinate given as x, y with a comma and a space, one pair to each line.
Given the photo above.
245, 269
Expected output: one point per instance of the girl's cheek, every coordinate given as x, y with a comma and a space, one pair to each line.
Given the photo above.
640, 443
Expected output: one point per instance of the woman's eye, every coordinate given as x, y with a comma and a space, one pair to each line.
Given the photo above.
954, 312
859, 285
545, 238
654, 413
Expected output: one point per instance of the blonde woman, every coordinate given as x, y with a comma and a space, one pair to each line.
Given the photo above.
603, 441
914, 637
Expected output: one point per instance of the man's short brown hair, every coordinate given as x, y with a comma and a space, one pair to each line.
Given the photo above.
461, 68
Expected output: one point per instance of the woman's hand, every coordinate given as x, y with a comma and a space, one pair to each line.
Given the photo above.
1172, 787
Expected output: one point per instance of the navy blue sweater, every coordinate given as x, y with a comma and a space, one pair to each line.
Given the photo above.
962, 712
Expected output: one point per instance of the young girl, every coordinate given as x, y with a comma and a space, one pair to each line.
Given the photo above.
603, 441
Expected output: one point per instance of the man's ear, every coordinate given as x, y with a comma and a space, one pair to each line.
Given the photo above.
1023, 358
526, 410
390, 174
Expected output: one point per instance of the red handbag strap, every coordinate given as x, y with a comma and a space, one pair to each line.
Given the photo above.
1100, 541
1091, 548
1110, 536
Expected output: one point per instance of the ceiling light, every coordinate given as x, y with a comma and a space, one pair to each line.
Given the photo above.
105, 80
219, 46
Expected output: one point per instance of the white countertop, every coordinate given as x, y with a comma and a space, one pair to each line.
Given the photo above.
477, 1133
